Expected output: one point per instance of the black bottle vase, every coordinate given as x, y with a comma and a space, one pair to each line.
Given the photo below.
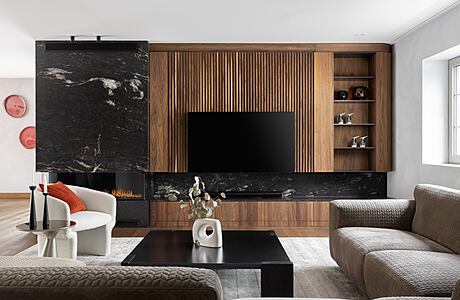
32, 214
46, 220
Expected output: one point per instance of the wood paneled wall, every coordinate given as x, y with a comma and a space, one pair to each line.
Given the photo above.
380, 112
323, 128
227, 81
272, 78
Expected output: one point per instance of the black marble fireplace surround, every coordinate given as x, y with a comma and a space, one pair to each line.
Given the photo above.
92, 106
301, 186
298, 186
134, 211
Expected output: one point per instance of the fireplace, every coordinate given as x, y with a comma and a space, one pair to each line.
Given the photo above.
128, 188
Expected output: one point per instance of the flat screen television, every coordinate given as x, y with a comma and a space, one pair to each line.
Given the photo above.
241, 142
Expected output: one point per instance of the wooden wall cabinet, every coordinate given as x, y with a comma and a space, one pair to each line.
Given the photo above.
247, 214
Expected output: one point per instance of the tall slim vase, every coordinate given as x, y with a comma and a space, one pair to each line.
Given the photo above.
32, 214
46, 220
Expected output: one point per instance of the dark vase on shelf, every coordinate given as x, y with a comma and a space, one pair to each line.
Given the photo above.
32, 214
360, 93
342, 95
45, 212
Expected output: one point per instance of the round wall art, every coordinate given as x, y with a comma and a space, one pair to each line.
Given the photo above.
27, 137
15, 106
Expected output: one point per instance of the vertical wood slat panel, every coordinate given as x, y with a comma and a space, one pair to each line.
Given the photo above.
323, 111
232, 81
380, 112
158, 111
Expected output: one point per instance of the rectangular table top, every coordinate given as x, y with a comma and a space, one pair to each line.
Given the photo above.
241, 250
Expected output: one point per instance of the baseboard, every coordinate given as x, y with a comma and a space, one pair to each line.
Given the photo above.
14, 196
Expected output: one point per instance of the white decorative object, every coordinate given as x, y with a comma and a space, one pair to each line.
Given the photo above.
200, 236
93, 230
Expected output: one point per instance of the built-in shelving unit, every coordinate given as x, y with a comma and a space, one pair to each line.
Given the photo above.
370, 115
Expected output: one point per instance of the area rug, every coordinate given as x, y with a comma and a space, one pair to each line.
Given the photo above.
316, 275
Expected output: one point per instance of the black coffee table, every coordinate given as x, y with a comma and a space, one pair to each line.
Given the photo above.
242, 250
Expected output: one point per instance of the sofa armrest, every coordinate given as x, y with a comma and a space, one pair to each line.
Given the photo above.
110, 283
396, 214
456, 293
96, 200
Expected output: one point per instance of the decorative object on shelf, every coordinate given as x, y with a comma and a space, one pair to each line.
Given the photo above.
350, 118
360, 93
354, 141
362, 141
15, 106
45, 220
202, 206
340, 118
27, 137
342, 95
200, 233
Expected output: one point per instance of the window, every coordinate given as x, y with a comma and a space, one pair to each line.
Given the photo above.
454, 110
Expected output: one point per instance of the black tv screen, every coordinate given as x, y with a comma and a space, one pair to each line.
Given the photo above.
241, 142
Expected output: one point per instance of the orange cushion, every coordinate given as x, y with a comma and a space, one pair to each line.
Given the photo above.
62, 192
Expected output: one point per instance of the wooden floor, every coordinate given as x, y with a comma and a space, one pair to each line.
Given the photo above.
16, 211
13, 212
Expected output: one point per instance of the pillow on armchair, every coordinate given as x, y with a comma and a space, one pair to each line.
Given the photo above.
62, 192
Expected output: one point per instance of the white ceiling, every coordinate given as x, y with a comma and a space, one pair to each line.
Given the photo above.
277, 21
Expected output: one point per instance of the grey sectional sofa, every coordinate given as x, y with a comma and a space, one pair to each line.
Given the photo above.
399, 247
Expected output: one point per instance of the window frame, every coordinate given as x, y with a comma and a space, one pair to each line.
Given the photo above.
453, 80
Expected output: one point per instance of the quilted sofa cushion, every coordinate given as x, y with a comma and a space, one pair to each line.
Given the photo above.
351, 245
437, 212
411, 273
89, 219
109, 283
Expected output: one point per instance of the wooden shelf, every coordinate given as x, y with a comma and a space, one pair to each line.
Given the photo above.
354, 124
353, 101
339, 77
354, 148
354, 171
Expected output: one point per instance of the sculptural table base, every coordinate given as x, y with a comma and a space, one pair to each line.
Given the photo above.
49, 248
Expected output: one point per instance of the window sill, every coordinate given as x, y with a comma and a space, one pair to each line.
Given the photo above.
443, 165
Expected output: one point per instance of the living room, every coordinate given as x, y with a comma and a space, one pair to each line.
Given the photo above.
230, 150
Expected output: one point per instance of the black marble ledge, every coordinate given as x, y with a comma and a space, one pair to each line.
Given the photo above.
297, 186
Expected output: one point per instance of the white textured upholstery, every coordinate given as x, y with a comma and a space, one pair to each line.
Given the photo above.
89, 219
93, 231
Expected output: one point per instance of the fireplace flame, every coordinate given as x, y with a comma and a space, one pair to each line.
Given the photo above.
121, 193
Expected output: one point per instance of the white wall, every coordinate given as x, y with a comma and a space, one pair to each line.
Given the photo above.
436, 36
16, 162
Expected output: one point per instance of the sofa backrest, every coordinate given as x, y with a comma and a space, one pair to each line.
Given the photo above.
437, 215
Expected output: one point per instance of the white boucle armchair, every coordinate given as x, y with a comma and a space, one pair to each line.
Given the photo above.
93, 230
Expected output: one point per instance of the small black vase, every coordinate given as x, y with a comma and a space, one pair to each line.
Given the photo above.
342, 95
